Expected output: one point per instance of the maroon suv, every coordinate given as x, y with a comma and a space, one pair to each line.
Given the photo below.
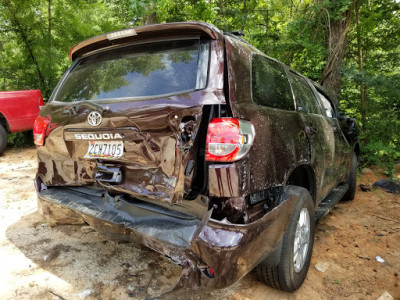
197, 145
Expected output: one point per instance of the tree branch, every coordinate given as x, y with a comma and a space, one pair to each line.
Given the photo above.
27, 44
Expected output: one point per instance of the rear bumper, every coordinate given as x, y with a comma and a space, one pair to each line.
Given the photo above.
231, 250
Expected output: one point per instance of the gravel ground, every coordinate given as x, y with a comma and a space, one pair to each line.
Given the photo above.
75, 262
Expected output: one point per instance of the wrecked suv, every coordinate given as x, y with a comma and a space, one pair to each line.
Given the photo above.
197, 145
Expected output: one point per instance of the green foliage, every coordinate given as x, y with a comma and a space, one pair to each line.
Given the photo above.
20, 139
35, 38
380, 32
34, 45
378, 153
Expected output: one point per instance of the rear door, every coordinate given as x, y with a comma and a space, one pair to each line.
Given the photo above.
342, 146
320, 133
128, 120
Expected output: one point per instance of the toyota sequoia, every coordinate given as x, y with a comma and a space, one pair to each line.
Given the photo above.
197, 145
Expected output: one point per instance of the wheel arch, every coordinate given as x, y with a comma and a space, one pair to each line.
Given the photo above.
304, 176
4, 122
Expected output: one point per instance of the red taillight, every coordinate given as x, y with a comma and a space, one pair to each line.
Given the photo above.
40, 103
228, 139
208, 272
39, 130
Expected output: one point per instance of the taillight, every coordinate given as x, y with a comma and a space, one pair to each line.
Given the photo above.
40, 103
39, 130
228, 139
208, 272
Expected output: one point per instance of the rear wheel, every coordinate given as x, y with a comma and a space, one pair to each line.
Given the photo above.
297, 247
352, 180
3, 139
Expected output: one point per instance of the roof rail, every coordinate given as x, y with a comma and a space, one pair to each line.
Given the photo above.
236, 32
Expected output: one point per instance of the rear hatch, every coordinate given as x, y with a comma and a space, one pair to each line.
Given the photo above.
128, 120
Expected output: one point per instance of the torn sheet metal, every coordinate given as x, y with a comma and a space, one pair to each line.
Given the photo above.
192, 243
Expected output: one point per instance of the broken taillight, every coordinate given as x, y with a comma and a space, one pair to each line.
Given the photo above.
228, 139
39, 130
208, 272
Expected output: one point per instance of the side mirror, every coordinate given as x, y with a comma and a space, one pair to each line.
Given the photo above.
341, 116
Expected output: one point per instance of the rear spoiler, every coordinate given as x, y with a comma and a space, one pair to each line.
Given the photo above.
147, 32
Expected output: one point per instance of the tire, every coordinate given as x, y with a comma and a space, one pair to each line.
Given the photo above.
352, 180
3, 139
289, 274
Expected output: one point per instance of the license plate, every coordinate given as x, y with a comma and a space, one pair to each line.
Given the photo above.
109, 149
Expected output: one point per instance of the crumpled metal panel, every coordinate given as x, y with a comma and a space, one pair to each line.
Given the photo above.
155, 154
233, 254
231, 250
224, 180
175, 228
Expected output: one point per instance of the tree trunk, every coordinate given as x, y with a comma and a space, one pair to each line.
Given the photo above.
337, 44
21, 31
244, 10
363, 90
49, 60
49, 35
150, 16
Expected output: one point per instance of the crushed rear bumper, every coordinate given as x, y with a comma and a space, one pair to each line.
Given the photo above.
231, 250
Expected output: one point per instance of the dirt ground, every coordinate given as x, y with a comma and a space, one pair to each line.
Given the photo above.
74, 262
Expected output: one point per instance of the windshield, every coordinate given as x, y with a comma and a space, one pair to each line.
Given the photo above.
138, 71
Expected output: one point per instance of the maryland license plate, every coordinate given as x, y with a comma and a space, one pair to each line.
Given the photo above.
105, 149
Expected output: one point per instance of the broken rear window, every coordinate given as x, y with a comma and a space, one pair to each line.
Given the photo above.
138, 71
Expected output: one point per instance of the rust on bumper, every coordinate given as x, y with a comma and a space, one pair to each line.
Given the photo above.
231, 250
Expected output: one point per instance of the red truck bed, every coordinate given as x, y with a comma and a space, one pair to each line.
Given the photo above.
18, 110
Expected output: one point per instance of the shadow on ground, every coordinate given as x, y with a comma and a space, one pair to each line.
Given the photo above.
83, 264
88, 265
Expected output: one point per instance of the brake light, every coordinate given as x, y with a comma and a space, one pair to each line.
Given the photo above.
228, 139
208, 272
39, 130
40, 103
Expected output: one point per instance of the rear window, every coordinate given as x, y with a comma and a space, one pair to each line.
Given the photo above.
138, 71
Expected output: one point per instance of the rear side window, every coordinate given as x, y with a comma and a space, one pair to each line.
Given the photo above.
304, 96
270, 86
327, 106
138, 71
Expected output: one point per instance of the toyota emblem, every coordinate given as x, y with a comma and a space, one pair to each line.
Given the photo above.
94, 118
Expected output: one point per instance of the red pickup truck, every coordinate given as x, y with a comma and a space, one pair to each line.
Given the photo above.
18, 110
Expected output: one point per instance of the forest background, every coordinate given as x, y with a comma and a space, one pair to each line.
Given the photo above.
351, 47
